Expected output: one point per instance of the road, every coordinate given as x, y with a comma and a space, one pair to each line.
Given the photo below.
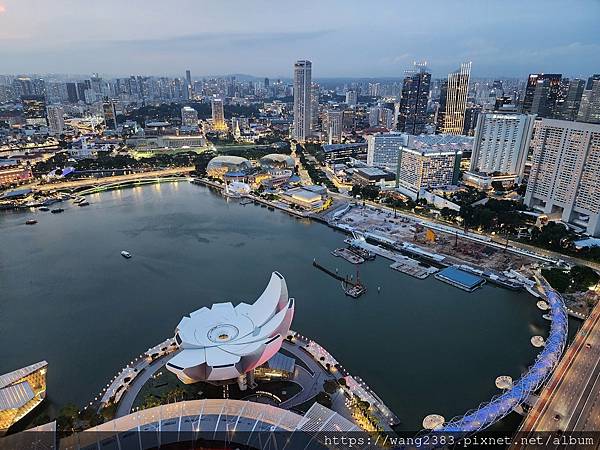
570, 400
126, 402
106, 180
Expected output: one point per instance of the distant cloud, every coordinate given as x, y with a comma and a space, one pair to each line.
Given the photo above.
220, 39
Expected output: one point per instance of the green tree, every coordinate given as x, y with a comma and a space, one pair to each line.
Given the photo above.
584, 277
558, 279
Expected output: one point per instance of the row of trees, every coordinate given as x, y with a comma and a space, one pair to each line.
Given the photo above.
171, 112
316, 175
579, 278
105, 161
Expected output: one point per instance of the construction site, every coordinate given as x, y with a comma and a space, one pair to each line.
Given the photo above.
396, 229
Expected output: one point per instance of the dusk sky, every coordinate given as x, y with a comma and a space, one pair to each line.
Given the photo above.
343, 38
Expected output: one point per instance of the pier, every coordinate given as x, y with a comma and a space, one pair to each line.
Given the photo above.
413, 268
400, 263
335, 275
348, 255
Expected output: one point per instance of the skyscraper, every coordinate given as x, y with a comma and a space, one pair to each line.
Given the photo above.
218, 115
351, 98
56, 121
334, 125
456, 99
314, 107
302, 100
501, 143
565, 173
72, 94
190, 88
110, 114
541, 94
412, 117
383, 149
589, 109
571, 102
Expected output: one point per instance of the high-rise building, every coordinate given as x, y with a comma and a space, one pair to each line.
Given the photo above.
427, 167
456, 100
412, 114
440, 112
110, 114
351, 98
218, 115
471, 115
564, 175
302, 100
23, 86
189, 117
34, 109
383, 150
380, 116
501, 143
190, 86
589, 109
72, 95
314, 108
571, 102
541, 94
334, 125
56, 121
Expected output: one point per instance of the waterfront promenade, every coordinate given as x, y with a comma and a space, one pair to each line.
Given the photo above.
111, 180
569, 401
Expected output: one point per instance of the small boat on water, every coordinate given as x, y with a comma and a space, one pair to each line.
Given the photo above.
78, 200
126, 254
44, 208
30, 222
355, 291
84, 203
57, 211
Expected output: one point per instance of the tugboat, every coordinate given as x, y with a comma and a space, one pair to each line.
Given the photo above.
30, 222
126, 254
57, 211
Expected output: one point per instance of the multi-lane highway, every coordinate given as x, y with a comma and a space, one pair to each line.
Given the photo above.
570, 402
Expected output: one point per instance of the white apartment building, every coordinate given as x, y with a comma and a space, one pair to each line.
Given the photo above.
383, 149
565, 175
501, 143
426, 168
189, 117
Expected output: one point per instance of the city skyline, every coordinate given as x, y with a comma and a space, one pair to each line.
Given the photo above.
207, 39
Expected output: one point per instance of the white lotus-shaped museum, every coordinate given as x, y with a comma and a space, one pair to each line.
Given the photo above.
226, 341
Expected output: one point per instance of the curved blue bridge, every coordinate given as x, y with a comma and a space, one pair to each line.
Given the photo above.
500, 406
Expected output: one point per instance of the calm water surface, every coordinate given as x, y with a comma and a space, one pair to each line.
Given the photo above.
67, 296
